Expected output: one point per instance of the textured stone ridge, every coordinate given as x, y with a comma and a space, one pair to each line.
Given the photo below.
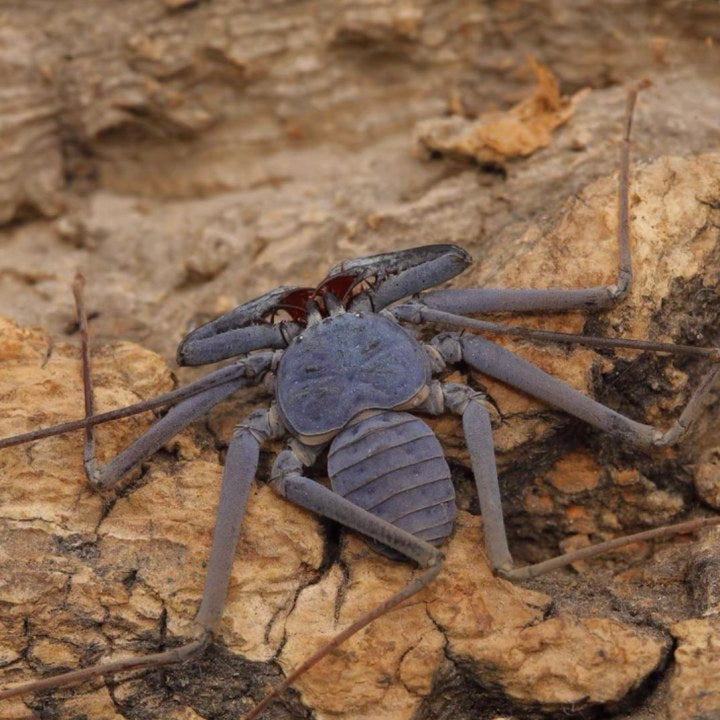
187, 156
96, 576
693, 694
496, 627
99, 576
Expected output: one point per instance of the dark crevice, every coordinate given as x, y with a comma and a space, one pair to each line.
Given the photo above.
331, 555
458, 694
342, 588
77, 546
279, 612
130, 579
221, 684
332, 546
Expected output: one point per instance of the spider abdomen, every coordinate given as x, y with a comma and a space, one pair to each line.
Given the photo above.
392, 465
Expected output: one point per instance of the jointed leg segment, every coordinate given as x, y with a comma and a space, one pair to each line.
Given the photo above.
513, 300
290, 483
208, 394
238, 475
177, 418
494, 300
467, 403
493, 360
503, 365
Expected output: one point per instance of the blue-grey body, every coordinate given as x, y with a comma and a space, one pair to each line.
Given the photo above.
346, 364
393, 465
346, 379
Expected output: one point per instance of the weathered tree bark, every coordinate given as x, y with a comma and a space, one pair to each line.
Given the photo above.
189, 156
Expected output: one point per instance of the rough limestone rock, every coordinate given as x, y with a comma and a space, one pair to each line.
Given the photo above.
103, 575
697, 658
188, 156
89, 576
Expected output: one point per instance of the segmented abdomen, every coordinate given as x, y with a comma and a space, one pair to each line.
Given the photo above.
393, 465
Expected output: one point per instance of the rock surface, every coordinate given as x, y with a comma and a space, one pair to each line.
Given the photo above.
102, 575
697, 658
89, 576
189, 156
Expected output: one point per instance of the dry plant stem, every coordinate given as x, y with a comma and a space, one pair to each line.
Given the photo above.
167, 657
532, 571
409, 590
78, 288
